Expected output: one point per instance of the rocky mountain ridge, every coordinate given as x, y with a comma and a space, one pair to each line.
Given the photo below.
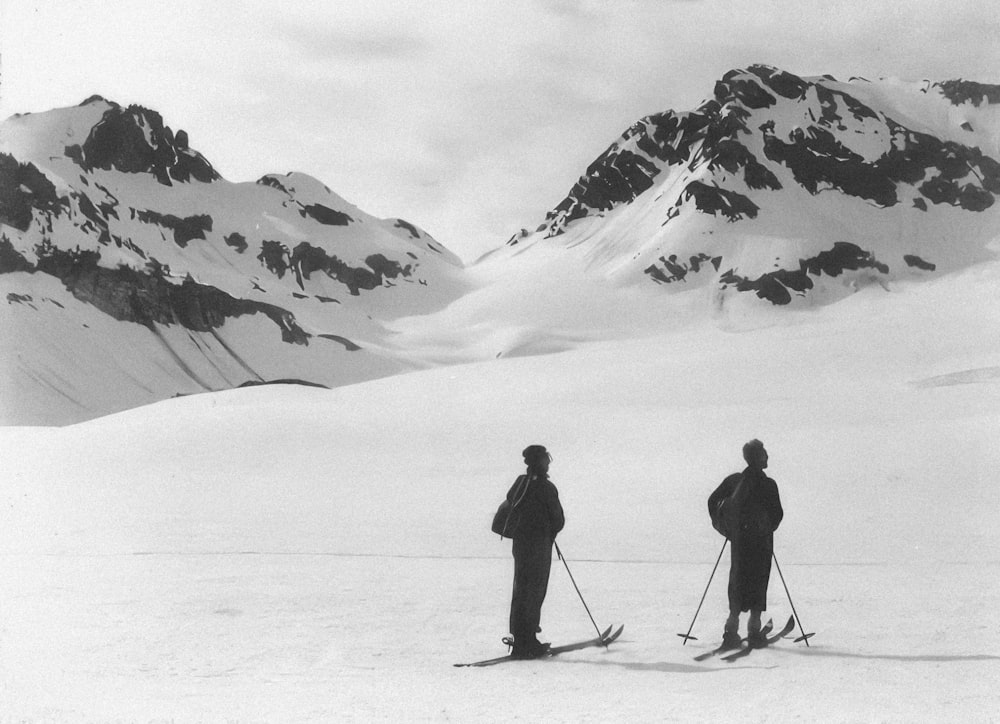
767, 162
132, 271
218, 283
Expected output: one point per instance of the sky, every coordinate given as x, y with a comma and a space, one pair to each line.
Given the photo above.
471, 120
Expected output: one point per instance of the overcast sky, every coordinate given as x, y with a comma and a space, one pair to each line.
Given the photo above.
470, 119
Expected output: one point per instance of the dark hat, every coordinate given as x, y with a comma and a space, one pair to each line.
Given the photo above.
533, 453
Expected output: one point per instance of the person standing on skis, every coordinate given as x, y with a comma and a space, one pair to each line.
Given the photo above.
746, 508
539, 518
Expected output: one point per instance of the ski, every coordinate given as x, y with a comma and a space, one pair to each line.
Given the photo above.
765, 629
606, 637
745, 651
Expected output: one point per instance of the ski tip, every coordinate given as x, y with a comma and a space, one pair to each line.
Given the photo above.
608, 639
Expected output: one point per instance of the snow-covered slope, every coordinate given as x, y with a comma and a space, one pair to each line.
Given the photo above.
133, 272
793, 189
303, 555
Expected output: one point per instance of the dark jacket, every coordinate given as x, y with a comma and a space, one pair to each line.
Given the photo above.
746, 509
536, 507
746, 503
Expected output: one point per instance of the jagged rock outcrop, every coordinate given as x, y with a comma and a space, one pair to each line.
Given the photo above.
135, 140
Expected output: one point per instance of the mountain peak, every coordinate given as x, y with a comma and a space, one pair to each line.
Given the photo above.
779, 180
134, 139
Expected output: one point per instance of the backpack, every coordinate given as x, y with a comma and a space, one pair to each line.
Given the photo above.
507, 518
742, 511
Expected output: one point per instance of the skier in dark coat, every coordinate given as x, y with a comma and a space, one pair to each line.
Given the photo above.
539, 515
747, 510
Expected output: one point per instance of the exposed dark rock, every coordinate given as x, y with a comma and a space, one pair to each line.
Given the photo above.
967, 91
784, 84
184, 229
617, 176
944, 191
818, 161
777, 286
750, 93
275, 257
95, 220
134, 140
326, 215
675, 271
237, 241
732, 156
75, 154
915, 261
13, 298
24, 188
306, 259
669, 136
273, 183
147, 297
409, 227
10, 260
844, 256
716, 200
919, 203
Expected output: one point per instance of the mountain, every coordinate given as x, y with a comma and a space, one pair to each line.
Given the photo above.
792, 189
133, 271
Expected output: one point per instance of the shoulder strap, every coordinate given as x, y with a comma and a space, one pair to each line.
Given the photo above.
523, 481
520, 490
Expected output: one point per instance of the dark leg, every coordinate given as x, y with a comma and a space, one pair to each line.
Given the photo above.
532, 564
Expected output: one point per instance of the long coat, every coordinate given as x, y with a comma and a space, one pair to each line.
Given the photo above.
746, 508
540, 518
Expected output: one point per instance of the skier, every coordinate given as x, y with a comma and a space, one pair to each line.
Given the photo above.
539, 517
747, 510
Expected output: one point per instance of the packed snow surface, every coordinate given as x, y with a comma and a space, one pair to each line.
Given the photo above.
291, 554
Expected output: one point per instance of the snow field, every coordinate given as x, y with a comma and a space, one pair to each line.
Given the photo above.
289, 554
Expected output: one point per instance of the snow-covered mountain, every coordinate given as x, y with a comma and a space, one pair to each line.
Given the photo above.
790, 188
133, 272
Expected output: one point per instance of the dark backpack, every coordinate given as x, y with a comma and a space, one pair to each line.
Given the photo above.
742, 511
508, 517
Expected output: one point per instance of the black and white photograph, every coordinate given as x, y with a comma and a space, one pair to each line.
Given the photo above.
539, 360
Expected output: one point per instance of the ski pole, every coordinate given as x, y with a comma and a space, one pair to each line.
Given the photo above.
563, 559
805, 636
688, 634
